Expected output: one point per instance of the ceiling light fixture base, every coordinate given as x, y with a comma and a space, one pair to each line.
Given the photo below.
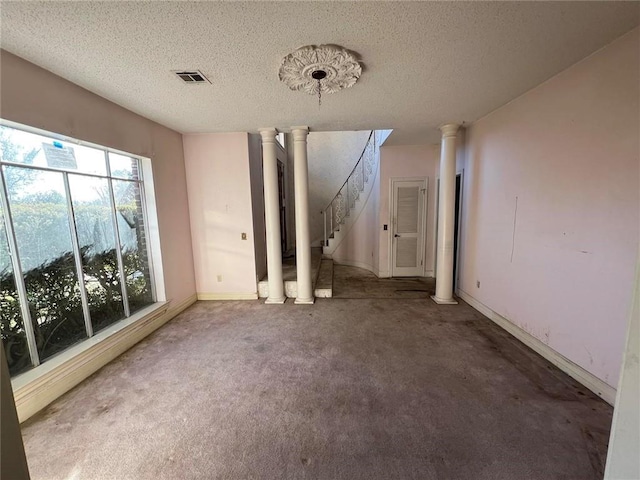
320, 69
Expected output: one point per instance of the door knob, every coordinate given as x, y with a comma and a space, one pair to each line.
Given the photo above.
396, 235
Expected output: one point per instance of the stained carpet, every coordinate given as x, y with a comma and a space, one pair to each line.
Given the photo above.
350, 282
343, 389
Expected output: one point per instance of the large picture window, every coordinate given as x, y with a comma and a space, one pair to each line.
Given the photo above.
74, 257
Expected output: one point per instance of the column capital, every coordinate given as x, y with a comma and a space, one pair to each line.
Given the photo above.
268, 134
449, 129
300, 133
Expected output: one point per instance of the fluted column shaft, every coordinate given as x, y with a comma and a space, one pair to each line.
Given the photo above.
446, 216
301, 198
272, 216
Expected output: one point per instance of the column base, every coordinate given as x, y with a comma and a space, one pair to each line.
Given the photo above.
305, 301
275, 301
444, 301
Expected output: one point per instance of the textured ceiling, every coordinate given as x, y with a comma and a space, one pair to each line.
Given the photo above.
426, 63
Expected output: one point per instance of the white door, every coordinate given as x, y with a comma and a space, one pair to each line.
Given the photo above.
407, 232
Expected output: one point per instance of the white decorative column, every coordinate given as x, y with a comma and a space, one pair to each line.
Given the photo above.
446, 216
301, 196
272, 216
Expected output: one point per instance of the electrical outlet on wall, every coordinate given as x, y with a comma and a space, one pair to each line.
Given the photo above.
477, 283
243, 236
219, 278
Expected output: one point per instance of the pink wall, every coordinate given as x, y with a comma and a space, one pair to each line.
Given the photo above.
219, 187
257, 204
407, 161
33, 96
568, 151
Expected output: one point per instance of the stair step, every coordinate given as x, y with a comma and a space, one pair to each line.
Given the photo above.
324, 283
291, 286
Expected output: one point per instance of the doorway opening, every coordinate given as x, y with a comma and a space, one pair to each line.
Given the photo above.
282, 205
456, 229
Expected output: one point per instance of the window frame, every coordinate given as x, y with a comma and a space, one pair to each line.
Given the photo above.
150, 230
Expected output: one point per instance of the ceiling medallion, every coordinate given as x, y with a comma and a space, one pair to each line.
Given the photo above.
320, 69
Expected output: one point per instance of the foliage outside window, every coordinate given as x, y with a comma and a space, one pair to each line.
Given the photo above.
72, 240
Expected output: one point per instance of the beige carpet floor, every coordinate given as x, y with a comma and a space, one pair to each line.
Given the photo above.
343, 389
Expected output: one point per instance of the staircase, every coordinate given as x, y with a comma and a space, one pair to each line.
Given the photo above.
339, 217
343, 210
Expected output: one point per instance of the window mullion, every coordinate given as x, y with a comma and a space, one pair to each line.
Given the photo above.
143, 200
17, 275
49, 169
108, 163
78, 257
116, 230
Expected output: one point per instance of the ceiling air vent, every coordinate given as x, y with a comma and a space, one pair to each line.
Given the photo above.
192, 77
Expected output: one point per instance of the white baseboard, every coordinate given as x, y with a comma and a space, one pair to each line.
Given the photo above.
590, 381
228, 296
37, 388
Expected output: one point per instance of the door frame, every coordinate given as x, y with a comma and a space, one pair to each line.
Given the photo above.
282, 203
423, 233
435, 229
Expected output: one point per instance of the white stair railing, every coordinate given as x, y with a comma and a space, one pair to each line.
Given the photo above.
339, 208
